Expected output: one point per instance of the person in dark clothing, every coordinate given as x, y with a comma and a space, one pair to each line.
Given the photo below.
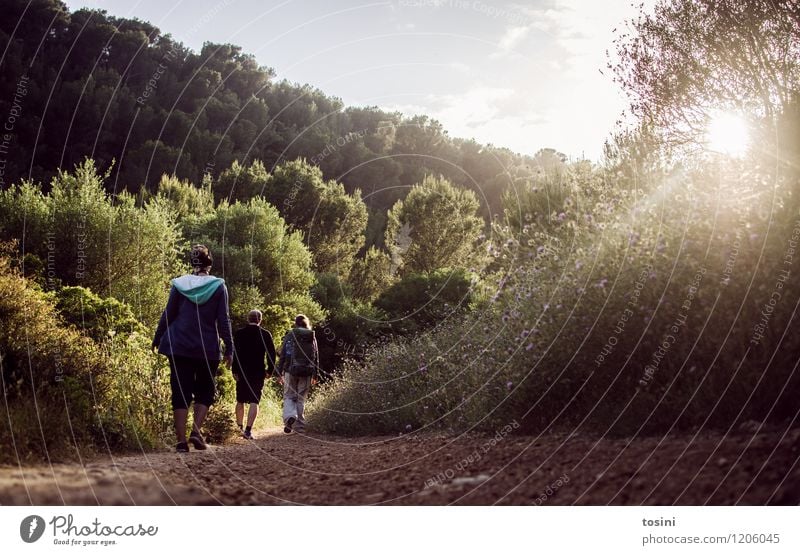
188, 333
252, 345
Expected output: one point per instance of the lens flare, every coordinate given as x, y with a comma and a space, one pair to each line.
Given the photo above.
728, 133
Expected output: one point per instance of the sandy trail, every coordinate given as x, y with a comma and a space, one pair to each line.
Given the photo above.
427, 469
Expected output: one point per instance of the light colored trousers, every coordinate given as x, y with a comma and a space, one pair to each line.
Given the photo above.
295, 391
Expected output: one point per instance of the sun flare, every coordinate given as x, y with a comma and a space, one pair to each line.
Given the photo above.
728, 133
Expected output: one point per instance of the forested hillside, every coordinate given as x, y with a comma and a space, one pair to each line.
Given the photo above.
122, 91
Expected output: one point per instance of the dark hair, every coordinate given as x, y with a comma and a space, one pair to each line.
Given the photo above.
301, 321
200, 257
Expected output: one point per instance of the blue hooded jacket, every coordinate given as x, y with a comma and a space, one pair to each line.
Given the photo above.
195, 318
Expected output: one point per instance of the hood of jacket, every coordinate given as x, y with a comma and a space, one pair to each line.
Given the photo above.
197, 289
302, 331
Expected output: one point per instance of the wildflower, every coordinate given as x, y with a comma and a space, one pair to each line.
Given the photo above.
529, 346
509, 385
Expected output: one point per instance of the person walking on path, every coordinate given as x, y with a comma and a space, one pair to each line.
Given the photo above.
188, 334
252, 345
299, 361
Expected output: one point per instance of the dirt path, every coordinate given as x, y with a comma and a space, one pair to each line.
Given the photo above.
311, 469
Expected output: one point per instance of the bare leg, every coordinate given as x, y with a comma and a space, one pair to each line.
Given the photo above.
251, 414
180, 424
200, 412
239, 414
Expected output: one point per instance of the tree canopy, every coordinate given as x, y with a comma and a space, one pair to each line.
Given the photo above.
435, 226
688, 58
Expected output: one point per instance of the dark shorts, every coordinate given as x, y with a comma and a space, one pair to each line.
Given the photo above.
192, 379
248, 388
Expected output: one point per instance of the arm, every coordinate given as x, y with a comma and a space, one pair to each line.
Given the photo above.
315, 350
224, 324
169, 315
270, 345
283, 361
236, 365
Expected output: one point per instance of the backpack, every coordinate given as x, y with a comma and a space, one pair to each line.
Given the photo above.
301, 347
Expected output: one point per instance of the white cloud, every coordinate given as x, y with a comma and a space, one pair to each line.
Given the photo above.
512, 37
502, 116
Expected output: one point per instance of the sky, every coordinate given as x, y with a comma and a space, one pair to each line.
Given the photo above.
521, 75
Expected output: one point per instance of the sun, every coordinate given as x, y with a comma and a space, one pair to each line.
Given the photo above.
728, 133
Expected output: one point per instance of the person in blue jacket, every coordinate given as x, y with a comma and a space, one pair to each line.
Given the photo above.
188, 333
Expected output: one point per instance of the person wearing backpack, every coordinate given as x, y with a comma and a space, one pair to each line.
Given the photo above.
299, 361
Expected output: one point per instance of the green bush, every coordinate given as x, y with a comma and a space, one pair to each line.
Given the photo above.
420, 301
220, 424
49, 376
84, 236
67, 394
98, 318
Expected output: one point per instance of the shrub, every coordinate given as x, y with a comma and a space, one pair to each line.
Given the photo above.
49, 376
67, 394
420, 301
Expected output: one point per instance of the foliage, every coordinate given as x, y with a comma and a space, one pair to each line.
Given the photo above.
62, 391
689, 58
252, 245
370, 275
332, 221
279, 317
95, 317
240, 182
330, 292
421, 301
125, 86
220, 424
184, 198
243, 299
632, 314
435, 226
85, 237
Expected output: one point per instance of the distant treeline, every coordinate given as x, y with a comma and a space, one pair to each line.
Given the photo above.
119, 90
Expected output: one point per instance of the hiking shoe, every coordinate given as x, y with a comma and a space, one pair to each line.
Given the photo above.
247, 435
198, 441
287, 429
182, 447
